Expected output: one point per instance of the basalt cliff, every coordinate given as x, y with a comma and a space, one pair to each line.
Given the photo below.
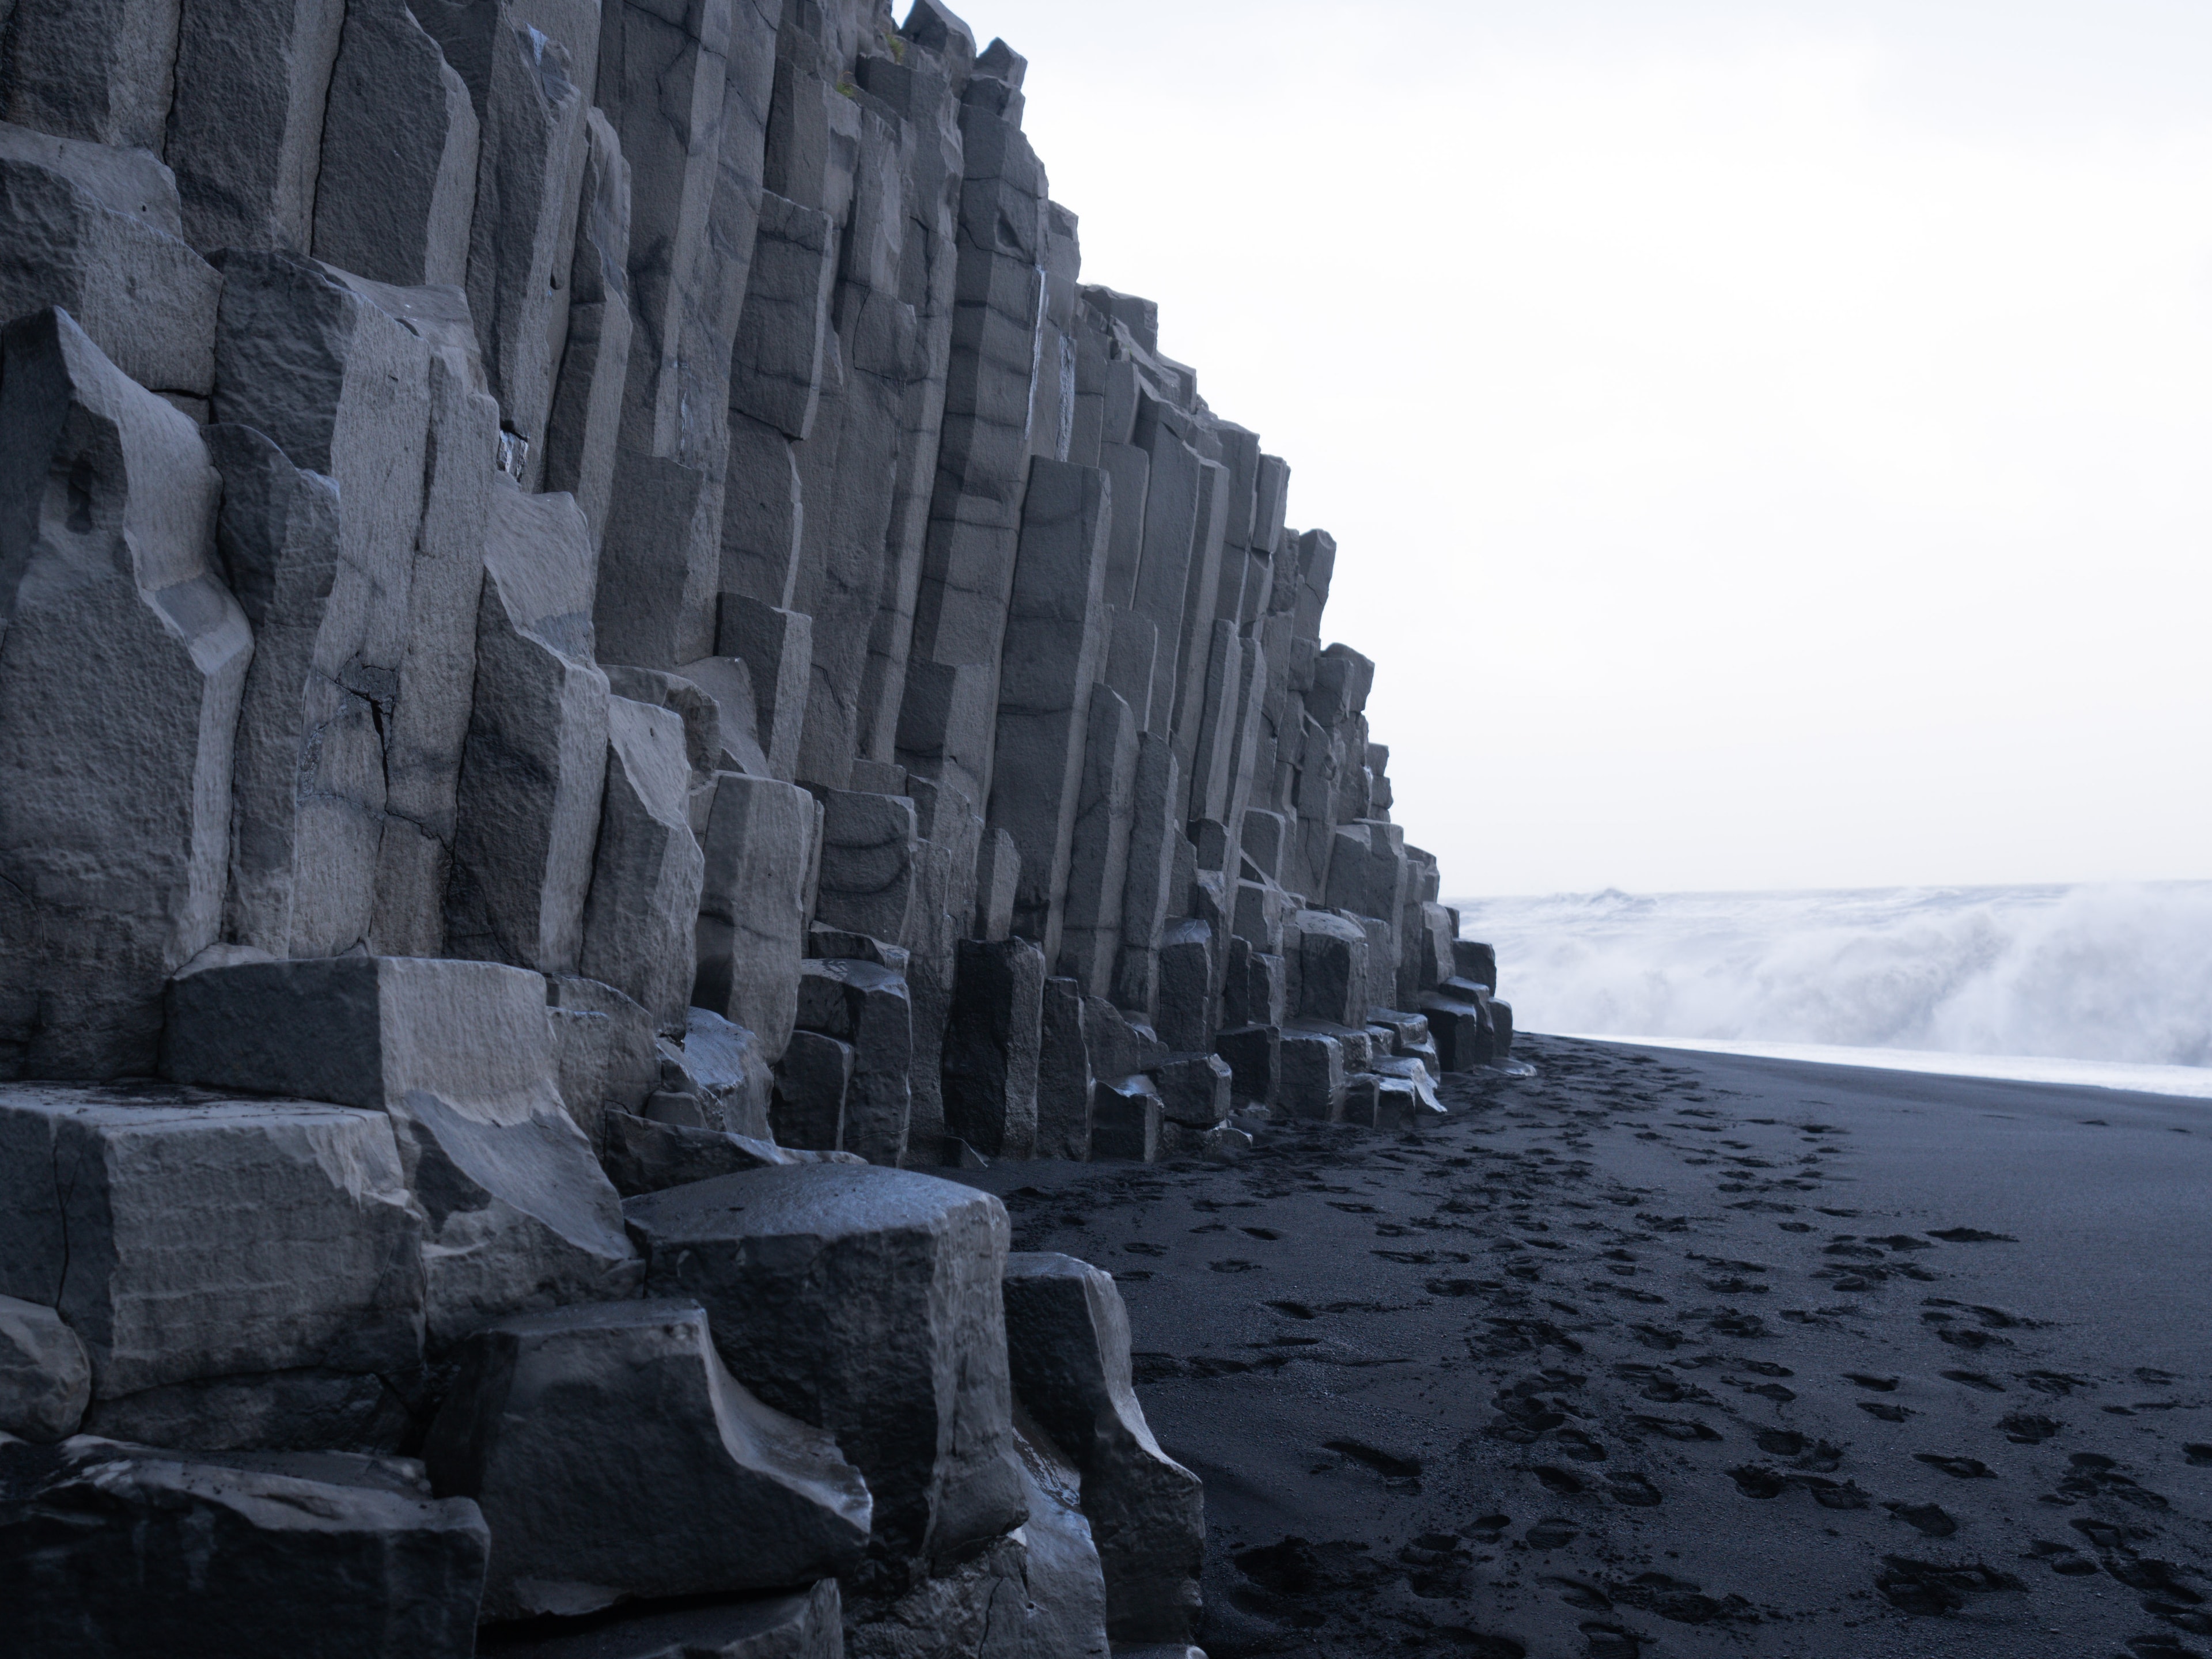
607, 658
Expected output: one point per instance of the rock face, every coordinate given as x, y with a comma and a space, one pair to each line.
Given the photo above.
605, 654
866, 1302
767, 1502
1068, 1336
112, 1548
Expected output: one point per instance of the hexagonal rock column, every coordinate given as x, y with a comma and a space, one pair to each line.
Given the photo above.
868, 1302
46, 1381
460, 1055
122, 663
108, 1548
195, 1245
580, 1515
1068, 1345
991, 1048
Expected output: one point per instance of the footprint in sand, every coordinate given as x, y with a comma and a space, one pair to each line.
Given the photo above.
1634, 1490
2025, 1429
1754, 1482
1974, 1380
2198, 1453
1612, 1642
1930, 1520
1886, 1412
1958, 1468
1930, 1588
1551, 1534
1879, 1385
1675, 1428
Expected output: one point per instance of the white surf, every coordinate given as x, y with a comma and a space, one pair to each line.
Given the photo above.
2109, 986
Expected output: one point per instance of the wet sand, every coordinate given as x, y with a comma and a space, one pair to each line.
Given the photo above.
1658, 1353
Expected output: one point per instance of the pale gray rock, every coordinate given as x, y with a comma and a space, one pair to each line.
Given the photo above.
534, 773
1195, 1090
871, 1008
245, 128
1254, 1054
1405, 1096
641, 917
727, 683
1332, 967
978, 1607
655, 605
1367, 871
998, 884
122, 662
1119, 1046
1310, 1075
95, 231
1462, 1026
1501, 1017
341, 385
577, 1514
1046, 676
866, 1302
1154, 833
1098, 852
309, 788
946, 724
429, 724
811, 1081
1265, 835
625, 1066
777, 647
1185, 1012
763, 514
753, 909
1257, 989
197, 1237
869, 849
1475, 962
304, 1408
524, 84
46, 1381
242, 1553
400, 147
726, 1067
827, 944
776, 373
1067, 1613
983, 453
806, 1625
1065, 1079
587, 414
98, 69
460, 1055
991, 1047
1068, 1338
1125, 1119
644, 1156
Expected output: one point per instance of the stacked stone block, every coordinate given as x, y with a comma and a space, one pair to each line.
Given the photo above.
605, 655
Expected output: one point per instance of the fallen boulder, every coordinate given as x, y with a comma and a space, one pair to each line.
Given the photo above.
580, 1517
1067, 1337
866, 1302
108, 1548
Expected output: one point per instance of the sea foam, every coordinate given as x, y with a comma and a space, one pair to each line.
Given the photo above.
2121, 975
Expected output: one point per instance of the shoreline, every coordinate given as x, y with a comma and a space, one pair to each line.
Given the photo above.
1675, 1353
2128, 1077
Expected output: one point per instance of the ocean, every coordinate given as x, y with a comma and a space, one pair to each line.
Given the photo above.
2104, 985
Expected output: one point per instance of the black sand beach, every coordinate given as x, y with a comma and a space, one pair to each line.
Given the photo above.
1660, 1354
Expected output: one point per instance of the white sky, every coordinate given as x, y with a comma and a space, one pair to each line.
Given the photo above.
1768, 442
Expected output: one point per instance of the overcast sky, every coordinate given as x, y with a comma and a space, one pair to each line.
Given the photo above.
1769, 443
